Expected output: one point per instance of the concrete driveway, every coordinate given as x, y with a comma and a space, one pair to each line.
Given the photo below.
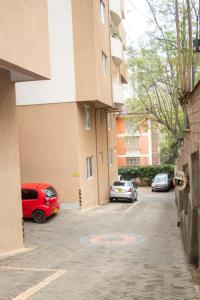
115, 251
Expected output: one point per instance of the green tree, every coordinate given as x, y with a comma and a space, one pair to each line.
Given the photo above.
161, 69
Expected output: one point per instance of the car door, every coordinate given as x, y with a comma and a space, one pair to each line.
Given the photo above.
29, 201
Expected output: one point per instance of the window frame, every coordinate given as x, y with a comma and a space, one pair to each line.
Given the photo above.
89, 167
104, 63
136, 159
133, 142
102, 12
87, 117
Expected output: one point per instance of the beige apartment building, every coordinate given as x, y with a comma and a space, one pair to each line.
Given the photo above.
67, 125
24, 56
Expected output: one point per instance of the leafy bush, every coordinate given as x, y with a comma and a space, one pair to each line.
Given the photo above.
145, 171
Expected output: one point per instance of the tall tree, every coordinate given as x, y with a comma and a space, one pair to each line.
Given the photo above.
161, 69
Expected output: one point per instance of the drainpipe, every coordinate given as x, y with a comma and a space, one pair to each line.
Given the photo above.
97, 157
108, 166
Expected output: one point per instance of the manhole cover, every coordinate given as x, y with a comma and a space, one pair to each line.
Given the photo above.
113, 239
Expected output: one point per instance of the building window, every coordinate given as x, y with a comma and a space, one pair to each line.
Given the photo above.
133, 161
89, 167
132, 143
109, 120
110, 156
104, 64
102, 12
131, 126
87, 117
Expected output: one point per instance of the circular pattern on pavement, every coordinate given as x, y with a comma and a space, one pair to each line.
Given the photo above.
113, 239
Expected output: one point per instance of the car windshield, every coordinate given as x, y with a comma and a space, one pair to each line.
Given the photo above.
50, 192
122, 183
161, 178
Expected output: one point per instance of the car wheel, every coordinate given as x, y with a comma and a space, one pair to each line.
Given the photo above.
39, 216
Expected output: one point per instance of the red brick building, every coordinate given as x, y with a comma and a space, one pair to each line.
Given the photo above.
137, 146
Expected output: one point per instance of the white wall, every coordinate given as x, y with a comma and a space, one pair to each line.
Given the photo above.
61, 87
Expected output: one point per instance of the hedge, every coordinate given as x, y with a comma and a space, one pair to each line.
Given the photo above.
145, 171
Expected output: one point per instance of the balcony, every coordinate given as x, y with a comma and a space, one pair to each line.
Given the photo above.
24, 52
123, 8
124, 72
116, 10
118, 93
122, 35
116, 50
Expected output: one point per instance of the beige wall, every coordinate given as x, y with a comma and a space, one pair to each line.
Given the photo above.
90, 39
87, 148
54, 146
22, 38
48, 136
10, 196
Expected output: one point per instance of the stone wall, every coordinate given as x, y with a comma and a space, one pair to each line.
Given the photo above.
188, 200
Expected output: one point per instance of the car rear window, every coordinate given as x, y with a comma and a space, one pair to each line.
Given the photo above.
161, 178
122, 183
50, 192
29, 194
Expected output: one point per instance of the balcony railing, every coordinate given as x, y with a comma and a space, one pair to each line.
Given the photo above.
122, 35
118, 93
124, 72
116, 10
116, 49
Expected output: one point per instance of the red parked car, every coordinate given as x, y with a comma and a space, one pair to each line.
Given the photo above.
39, 201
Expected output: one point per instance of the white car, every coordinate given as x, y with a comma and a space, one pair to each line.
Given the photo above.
123, 190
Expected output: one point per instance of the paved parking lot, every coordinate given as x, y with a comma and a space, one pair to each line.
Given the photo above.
114, 251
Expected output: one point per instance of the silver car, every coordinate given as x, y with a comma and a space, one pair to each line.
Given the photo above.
162, 182
123, 190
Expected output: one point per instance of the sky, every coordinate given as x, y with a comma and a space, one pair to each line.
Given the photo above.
137, 13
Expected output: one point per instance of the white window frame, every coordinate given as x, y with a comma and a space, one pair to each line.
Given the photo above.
87, 117
110, 157
104, 64
89, 166
133, 161
133, 142
102, 12
109, 121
